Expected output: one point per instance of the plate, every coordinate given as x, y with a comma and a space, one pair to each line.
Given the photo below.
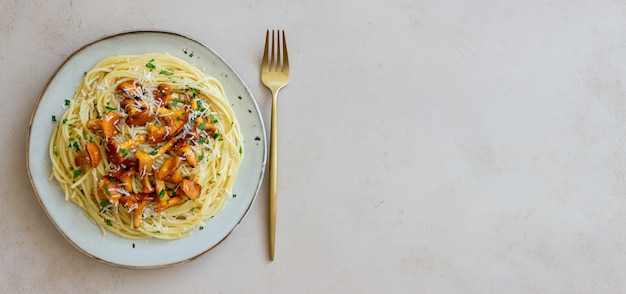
69, 219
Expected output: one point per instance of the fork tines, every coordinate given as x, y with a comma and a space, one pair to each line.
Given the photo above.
276, 59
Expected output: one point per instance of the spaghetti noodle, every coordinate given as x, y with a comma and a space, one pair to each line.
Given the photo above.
148, 146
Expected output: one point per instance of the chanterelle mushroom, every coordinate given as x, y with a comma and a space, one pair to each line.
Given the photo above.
191, 189
117, 151
163, 93
90, 156
174, 119
107, 124
111, 190
131, 89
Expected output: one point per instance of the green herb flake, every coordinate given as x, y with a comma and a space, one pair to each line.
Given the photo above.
84, 74
108, 222
104, 203
106, 190
153, 153
56, 153
54, 118
64, 120
213, 118
165, 72
216, 135
162, 193
109, 108
150, 65
191, 54
201, 157
67, 102
123, 151
203, 126
133, 245
240, 150
201, 228
234, 195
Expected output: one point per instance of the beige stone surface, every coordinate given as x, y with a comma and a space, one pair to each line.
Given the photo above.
425, 146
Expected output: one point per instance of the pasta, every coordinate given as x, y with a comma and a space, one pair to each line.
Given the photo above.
148, 146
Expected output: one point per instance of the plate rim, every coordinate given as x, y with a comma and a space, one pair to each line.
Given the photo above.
36, 108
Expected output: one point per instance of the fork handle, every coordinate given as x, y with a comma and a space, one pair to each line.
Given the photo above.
273, 172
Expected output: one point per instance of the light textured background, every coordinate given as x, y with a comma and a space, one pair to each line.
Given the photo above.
425, 146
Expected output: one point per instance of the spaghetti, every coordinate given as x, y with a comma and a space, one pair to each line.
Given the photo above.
148, 146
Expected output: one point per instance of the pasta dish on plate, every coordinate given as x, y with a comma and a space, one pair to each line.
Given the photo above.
148, 146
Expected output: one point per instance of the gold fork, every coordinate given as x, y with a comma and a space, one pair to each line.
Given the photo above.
274, 75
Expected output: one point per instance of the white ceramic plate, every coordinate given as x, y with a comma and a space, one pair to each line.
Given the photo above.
69, 219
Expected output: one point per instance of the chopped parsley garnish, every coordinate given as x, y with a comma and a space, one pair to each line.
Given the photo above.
240, 150
216, 135
203, 126
213, 118
234, 195
201, 228
191, 54
54, 118
67, 102
165, 72
109, 108
106, 190
150, 65
162, 193
77, 173
133, 245
103, 206
109, 223
123, 151
200, 157
153, 153
64, 120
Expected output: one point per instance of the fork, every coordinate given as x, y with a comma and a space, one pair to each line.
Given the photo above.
275, 76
